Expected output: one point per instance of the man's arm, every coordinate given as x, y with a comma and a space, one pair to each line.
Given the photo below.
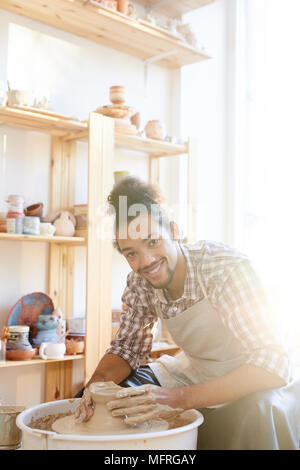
236, 384
111, 368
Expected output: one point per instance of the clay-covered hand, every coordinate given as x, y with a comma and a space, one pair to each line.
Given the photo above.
138, 404
85, 409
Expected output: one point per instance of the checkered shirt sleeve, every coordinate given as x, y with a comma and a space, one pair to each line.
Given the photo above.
133, 340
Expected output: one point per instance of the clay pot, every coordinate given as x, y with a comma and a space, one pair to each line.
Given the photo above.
155, 130
74, 346
36, 210
64, 224
126, 8
117, 94
20, 354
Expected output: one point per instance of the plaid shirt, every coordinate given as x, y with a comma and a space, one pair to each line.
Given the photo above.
233, 289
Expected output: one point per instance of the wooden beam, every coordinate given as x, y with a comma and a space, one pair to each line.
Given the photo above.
58, 380
61, 257
99, 246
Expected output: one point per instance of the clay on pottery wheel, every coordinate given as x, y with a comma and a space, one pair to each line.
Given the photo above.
102, 421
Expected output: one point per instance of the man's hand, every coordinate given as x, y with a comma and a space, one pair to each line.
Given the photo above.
143, 403
85, 409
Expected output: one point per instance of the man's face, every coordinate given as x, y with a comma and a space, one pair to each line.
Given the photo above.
149, 250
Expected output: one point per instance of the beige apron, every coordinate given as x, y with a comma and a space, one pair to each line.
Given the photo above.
209, 348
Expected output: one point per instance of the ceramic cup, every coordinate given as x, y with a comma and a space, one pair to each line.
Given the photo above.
117, 94
47, 229
126, 8
10, 225
52, 350
119, 175
31, 225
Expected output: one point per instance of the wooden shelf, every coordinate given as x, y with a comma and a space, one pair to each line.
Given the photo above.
40, 122
109, 28
40, 361
38, 238
174, 8
149, 146
76, 130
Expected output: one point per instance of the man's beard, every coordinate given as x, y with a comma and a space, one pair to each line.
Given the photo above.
167, 283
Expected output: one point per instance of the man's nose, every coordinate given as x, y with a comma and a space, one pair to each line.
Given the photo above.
146, 260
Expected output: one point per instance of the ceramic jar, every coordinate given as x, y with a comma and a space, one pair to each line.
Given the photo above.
117, 94
31, 225
15, 204
18, 337
14, 225
155, 130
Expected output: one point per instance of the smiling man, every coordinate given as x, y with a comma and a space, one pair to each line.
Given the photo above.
232, 365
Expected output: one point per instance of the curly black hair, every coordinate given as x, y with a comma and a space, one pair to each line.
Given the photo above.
136, 192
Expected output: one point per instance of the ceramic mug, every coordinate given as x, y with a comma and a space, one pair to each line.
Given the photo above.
126, 8
52, 350
47, 229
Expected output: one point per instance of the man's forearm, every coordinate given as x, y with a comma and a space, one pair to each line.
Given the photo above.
110, 368
230, 387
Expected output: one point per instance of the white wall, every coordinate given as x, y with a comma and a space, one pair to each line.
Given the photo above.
78, 74
204, 114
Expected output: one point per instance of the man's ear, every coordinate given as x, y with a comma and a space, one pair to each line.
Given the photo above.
174, 231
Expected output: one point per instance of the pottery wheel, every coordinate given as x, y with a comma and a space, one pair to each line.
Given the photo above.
102, 422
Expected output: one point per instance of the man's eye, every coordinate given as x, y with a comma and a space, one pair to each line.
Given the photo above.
154, 241
130, 255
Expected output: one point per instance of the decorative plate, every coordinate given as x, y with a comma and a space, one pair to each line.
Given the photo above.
28, 308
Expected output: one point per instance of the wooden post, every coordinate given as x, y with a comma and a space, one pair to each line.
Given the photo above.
192, 190
99, 246
58, 383
154, 167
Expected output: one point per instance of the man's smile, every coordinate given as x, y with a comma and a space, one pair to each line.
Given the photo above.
154, 271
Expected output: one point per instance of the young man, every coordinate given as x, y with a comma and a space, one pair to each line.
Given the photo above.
232, 366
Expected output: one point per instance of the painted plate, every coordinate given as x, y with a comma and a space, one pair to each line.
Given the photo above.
28, 308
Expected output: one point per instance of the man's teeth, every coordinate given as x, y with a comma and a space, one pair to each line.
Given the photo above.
154, 270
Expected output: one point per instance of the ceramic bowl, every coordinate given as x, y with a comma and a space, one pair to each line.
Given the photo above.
35, 210
74, 346
20, 354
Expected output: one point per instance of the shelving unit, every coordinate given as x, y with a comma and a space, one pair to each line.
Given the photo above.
110, 28
102, 140
144, 41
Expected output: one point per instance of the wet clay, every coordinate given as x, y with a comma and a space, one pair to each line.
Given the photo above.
102, 421
45, 422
